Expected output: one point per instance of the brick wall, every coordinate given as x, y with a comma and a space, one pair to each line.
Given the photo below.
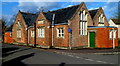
74, 23
95, 20
61, 42
102, 39
7, 37
23, 39
46, 41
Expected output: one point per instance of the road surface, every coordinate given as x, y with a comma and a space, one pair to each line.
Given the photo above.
21, 55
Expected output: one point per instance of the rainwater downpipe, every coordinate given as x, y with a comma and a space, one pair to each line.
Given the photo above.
70, 38
53, 29
28, 29
28, 37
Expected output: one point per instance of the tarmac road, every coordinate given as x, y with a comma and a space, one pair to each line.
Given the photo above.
24, 56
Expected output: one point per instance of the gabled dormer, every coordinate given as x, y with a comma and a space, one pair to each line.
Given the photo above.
82, 18
99, 18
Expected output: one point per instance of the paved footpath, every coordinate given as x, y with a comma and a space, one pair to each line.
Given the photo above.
23, 56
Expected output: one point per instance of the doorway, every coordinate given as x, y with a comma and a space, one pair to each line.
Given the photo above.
92, 39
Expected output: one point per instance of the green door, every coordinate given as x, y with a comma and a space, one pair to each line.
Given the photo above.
92, 39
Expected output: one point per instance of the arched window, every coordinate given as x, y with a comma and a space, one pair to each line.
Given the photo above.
83, 22
112, 34
19, 30
101, 20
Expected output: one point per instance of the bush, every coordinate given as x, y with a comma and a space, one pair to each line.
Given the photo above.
118, 43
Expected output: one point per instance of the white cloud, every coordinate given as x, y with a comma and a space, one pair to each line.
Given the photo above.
61, 0
113, 0
34, 0
104, 7
36, 6
69, 5
95, 0
93, 8
110, 9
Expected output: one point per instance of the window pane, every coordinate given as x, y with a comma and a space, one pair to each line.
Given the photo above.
114, 34
41, 22
38, 33
41, 32
62, 35
80, 28
86, 16
59, 35
20, 33
103, 19
81, 16
110, 34
60, 32
83, 26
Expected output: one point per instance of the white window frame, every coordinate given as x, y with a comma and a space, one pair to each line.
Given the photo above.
85, 29
41, 21
60, 32
18, 33
41, 32
101, 19
112, 34
10, 34
81, 28
83, 23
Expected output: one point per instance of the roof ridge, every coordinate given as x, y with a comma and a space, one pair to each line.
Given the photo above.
94, 9
29, 13
114, 18
62, 8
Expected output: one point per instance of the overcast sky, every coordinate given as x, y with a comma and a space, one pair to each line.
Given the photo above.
10, 8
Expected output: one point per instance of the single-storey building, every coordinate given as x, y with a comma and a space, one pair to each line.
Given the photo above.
21, 27
103, 36
65, 28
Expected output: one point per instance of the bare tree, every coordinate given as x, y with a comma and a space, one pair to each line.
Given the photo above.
11, 21
4, 27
